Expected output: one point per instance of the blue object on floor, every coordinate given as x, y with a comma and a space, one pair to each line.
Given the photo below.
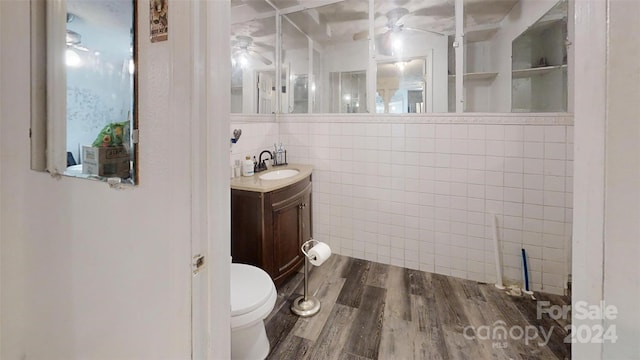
526, 271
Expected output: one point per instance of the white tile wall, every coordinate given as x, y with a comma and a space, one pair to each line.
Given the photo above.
256, 136
419, 193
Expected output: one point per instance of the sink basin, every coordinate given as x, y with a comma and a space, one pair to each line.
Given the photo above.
279, 174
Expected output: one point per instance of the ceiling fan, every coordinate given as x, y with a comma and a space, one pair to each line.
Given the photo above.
387, 36
72, 38
244, 47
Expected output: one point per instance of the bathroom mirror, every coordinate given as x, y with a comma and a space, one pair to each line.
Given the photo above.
84, 122
253, 60
294, 94
539, 64
348, 92
335, 44
402, 87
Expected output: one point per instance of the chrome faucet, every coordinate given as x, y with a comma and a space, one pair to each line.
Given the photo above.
262, 165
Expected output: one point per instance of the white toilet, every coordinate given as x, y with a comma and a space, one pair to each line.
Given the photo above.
253, 296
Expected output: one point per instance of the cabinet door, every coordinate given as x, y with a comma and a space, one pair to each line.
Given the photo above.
287, 234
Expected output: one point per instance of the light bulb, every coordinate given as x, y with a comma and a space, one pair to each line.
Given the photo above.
243, 60
397, 43
72, 58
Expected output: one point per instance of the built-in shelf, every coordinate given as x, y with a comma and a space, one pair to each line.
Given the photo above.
525, 73
477, 76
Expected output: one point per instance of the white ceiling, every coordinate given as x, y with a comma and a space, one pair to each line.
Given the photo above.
104, 26
331, 21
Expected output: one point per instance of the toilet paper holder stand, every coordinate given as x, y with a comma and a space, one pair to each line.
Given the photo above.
306, 305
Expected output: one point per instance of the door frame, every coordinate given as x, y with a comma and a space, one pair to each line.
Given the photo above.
210, 200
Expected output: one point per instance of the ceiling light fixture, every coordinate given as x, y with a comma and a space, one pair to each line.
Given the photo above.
243, 60
72, 59
397, 43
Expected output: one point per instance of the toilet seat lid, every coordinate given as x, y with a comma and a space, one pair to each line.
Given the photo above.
250, 288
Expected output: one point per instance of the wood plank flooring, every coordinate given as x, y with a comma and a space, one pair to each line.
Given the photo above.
377, 311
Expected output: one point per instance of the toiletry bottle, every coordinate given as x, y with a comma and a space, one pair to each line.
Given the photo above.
247, 167
280, 155
275, 155
238, 168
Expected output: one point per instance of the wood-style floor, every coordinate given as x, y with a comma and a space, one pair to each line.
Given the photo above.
376, 311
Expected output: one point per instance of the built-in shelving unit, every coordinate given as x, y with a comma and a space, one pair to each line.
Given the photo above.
539, 71
476, 76
539, 76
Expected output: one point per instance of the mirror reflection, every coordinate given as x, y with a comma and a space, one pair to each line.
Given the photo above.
294, 72
85, 116
401, 87
331, 36
348, 91
330, 60
539, 80
100, 103
253, 68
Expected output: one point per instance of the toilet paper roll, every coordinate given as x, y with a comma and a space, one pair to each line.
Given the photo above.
319, 254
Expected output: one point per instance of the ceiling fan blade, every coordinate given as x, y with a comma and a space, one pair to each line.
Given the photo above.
263, 59
361, 35
72, 37
422, 30
264, 46
80, 47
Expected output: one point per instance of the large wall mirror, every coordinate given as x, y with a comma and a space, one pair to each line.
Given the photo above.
539, 64
84, 122
253, 57
355, 56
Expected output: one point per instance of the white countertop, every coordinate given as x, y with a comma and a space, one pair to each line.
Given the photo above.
254, 183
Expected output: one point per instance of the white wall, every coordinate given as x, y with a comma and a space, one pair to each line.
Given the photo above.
89, 272
1, 201
259, 132
590, 115
622, 189
95, 98
605, 243
416, 191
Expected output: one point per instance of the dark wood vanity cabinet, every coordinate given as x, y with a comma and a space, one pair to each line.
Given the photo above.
268, 229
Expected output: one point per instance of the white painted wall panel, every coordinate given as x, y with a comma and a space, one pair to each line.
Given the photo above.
622, 206
89, 272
